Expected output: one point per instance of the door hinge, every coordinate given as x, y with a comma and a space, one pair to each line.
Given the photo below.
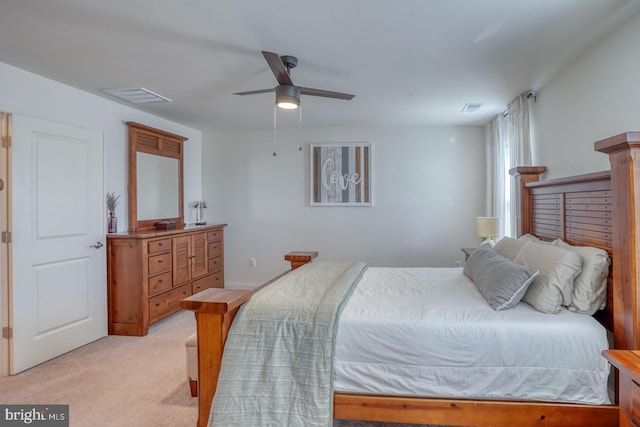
6, 237
7, 333
6, 141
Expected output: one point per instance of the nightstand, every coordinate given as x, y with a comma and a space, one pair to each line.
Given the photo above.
628, 364
467, 252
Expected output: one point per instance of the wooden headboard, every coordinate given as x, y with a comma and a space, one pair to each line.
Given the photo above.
600, 210
577, 210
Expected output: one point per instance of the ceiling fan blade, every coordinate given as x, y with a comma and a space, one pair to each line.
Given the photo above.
278, 68
253, 92
325, 93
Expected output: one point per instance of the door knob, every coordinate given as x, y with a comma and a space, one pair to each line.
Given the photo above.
97, 245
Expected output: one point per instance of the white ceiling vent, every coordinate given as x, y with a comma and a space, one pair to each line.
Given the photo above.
137, 95
471, 108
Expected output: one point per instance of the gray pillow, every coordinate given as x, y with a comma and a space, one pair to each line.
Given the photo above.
501, 281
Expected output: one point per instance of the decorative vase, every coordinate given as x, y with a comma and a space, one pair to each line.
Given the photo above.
112, 223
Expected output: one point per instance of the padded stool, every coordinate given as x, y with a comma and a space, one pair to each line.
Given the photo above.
191, 346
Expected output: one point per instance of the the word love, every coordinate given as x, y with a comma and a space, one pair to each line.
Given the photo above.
330, 177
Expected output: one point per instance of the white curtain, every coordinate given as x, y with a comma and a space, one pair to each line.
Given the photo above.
499, 184
517, 125
509, 139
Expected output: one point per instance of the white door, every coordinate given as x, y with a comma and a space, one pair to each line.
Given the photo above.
58, 286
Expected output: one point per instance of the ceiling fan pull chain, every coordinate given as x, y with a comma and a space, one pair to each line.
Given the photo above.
275, 130
300, 128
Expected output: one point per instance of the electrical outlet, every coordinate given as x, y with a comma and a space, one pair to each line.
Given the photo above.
252, 262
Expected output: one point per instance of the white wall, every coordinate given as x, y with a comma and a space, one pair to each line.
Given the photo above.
428, 185
25, 93
596, 97
31, 95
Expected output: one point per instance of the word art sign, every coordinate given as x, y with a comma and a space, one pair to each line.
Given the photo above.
340, 174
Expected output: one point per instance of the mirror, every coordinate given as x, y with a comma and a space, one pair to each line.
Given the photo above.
155, 178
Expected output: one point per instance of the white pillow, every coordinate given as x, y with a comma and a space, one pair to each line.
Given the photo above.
509, 247
558, 268
590, 287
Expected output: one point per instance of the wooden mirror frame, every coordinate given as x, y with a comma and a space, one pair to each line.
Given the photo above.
145, 139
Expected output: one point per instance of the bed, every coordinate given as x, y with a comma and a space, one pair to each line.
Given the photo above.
596, 210
445, 341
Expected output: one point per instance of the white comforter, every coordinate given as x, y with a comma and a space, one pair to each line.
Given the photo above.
429, 332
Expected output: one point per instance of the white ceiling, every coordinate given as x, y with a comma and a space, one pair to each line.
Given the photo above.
409, 62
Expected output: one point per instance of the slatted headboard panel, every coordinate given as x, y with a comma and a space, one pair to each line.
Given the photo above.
588, 218
577, 210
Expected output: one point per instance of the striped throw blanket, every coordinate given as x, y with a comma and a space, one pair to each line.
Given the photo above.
277, 366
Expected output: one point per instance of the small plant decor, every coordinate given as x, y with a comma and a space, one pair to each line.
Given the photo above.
112, 202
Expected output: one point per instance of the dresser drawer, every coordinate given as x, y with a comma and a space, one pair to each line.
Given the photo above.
166, 304
159, 283
210, 281
214, 236
157, 246
159, 263
215, 249
215, 264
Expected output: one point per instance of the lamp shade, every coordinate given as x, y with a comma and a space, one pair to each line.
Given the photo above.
487, 227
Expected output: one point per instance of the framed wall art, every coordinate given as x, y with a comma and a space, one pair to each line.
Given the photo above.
340, 174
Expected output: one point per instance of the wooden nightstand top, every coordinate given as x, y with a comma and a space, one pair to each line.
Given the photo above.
467, 252
626, 360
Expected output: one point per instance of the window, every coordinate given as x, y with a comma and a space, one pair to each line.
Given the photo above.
509, 141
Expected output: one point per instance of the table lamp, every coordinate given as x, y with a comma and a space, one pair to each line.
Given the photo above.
487, 227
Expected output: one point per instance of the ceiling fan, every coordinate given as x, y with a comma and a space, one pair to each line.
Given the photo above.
288, 94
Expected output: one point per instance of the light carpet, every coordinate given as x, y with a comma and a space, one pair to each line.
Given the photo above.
117, 380
123, 381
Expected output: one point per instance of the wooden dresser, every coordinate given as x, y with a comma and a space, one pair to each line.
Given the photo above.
149, 273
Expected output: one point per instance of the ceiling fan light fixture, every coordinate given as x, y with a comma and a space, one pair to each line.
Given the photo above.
287, 97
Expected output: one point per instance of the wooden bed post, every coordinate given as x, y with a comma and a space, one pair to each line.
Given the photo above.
624, 156
300, 258
215, 309
523, 176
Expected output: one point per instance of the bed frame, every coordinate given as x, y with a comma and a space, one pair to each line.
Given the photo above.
598, 209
